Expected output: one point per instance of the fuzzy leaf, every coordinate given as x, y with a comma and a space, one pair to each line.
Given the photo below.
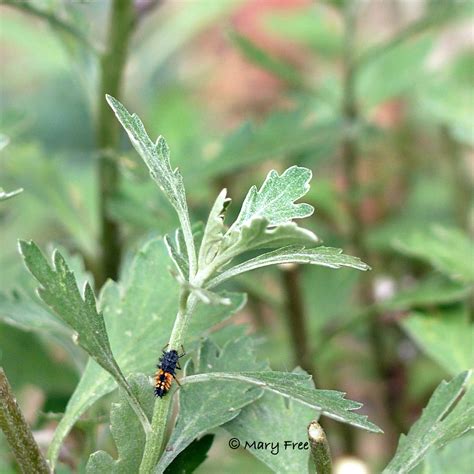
295, 387
448, 249
126, 431
204, 407
177, 253
214, 231
139, 313
444, 419
324, 256
157, 157
273, 419
454, 458
275, 200
59, 291
256, 234
445, 336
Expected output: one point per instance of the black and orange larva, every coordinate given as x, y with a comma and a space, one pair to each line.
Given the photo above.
166, 372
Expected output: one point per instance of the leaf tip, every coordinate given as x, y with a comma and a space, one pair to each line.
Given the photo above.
23, 246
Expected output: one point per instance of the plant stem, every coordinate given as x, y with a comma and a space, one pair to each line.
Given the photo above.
154, 442
18, 433
320, 451
357, 231
112, 66
462, 188
297, 321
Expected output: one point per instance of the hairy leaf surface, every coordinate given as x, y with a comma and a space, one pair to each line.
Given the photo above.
203, 407
444, 419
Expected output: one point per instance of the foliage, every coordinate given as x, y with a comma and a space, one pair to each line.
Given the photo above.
446, 417
375, 103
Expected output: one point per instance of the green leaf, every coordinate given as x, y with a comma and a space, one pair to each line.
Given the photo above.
139, 313
275, 200
445, 336
273, 419
157, 157
214, 230
430, 291
283, 134
314, 26
393, 72
445, 418
19, 310
266, 61
324, 256
126, 431
449, 250
204, 407
454, 458
59, 291
257, 234
295, 387
194, 455
177, 253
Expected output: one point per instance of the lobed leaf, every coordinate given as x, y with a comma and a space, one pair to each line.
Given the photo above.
157, 157
139, 314
257, 234
446, 417
273, 419
275, 200
295, 387
59, 291
324, 256
214, 230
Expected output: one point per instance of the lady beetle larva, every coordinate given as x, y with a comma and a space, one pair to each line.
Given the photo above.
166, 372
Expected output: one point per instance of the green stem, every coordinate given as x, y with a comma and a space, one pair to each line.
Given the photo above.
320, 451
297, 319
18, 433
112, 66
154, 442
460, 177
357, 230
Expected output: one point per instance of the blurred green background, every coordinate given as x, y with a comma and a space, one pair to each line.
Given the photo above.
375, 96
